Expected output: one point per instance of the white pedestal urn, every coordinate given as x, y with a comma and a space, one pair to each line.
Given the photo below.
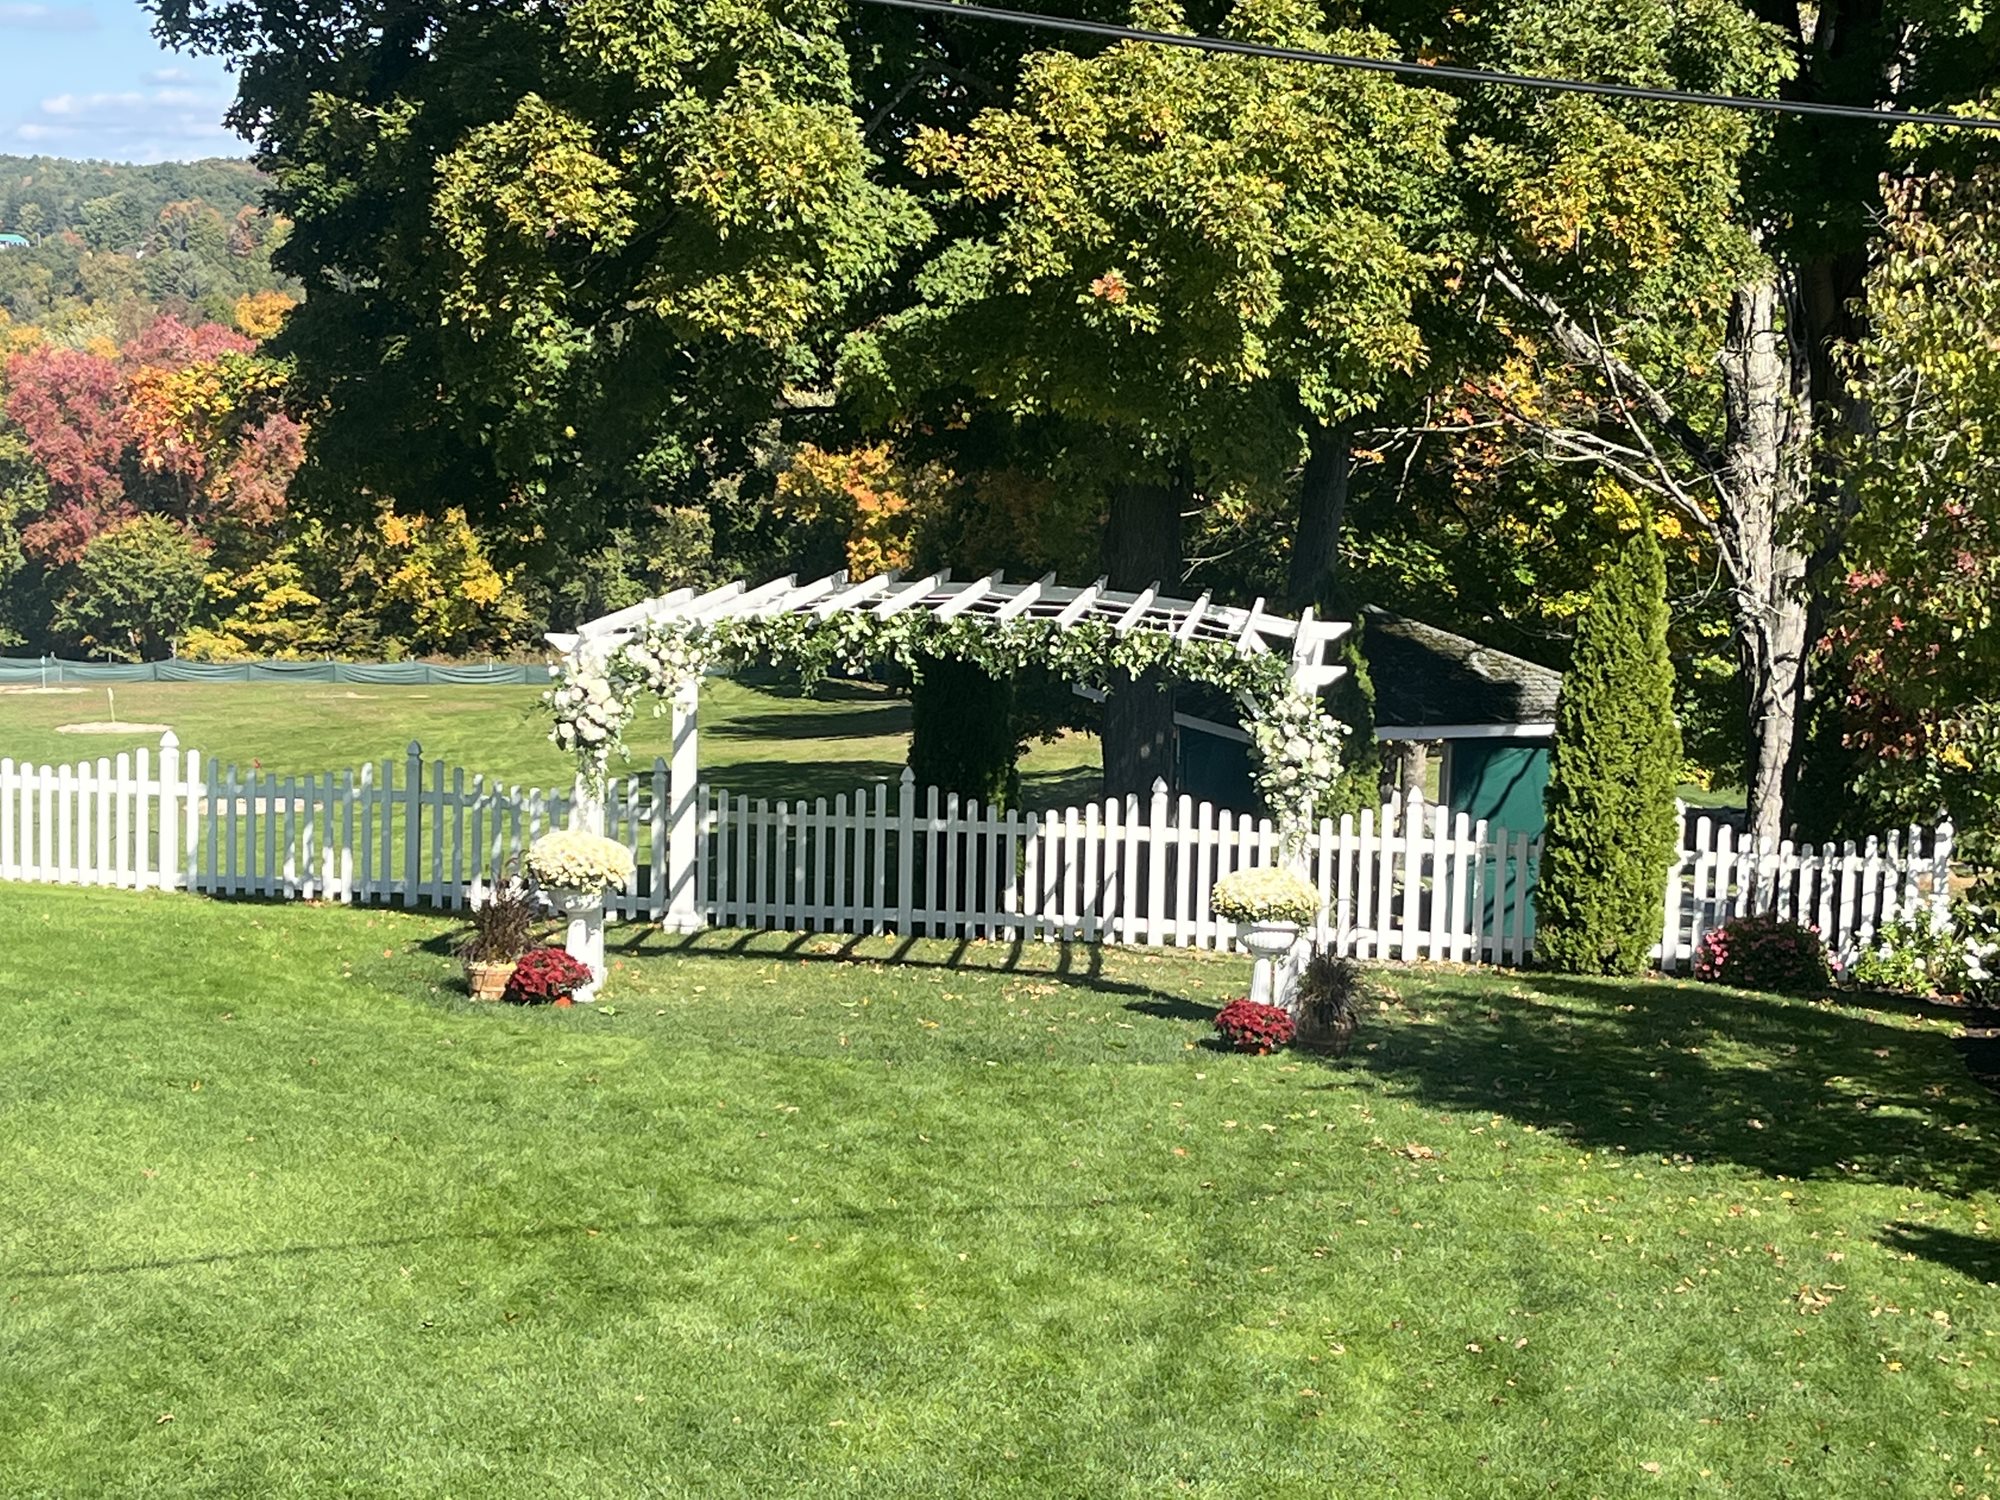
574, 868
1271, 906
584, 940
1270, 943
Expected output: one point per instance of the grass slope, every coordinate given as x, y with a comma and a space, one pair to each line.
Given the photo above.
286, 1217
757, 739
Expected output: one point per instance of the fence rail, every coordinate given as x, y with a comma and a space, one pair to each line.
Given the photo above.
1409, 881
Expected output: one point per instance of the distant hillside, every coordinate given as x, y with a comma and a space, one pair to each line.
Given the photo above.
112, 245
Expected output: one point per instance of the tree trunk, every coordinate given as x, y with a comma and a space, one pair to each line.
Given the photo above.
962, 732
1142, 547
1767, 475
1322, 510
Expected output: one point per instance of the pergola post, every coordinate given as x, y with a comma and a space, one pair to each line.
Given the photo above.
586, 805
682, 904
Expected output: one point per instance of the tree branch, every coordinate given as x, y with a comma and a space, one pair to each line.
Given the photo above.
1584, 348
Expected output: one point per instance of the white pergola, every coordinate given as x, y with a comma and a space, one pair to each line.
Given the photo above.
1307, 642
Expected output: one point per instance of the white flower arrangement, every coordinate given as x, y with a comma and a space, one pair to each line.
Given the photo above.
594, 694
571, 860
1298, 757
1269, 893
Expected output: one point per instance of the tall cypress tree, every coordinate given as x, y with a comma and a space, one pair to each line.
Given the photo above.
1612, 825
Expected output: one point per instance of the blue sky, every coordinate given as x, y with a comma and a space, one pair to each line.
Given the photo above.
85, 78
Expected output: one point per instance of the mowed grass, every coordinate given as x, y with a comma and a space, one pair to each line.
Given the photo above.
284, 1215
759, 738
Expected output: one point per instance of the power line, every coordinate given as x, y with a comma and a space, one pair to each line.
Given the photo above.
1437, 74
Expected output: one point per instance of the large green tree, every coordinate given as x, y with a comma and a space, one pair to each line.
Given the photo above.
133, 590
560, 261
1200, 267
1918, 624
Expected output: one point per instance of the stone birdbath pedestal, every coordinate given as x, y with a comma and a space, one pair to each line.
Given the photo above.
574, 868
1271, 907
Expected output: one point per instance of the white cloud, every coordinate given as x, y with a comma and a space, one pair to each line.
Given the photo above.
169, 75
34, 17
155, 124
85, 104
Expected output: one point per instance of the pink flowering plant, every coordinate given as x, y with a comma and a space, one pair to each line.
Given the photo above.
1764, 953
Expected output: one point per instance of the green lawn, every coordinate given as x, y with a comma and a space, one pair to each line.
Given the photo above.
760, 739
283, 1215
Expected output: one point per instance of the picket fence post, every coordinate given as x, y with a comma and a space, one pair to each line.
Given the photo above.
171, 793
906, 851
1941, 874
413, 823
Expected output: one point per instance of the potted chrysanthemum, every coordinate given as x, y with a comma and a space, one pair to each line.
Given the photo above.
1270, 906
574, 868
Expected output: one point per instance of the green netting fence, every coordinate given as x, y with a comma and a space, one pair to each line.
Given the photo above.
53, 671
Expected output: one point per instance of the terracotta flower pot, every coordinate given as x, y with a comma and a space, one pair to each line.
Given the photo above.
488, 981
1334, 1035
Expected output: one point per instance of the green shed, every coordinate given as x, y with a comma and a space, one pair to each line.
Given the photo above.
1491, 715
1487, 717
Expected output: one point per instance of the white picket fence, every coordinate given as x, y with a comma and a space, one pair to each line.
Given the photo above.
1408, 882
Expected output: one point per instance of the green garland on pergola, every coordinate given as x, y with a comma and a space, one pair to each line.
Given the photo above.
596, 693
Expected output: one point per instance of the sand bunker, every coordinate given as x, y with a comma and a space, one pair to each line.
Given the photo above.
112, 726
13, 689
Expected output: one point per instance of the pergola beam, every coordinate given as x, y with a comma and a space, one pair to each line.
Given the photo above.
1081, 605
1136, 611
859, 593
967, 596
1253, 631
1026, 600
910, 594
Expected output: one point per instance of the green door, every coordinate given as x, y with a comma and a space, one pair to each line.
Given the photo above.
1502, 782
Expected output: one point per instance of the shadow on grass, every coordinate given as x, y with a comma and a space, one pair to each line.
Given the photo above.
1785, 1088
706, 1226
1042, 791
1968, 1254
1079, 964
1173, 1008
791, 781
874, 719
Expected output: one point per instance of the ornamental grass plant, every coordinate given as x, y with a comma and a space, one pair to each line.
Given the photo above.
501, 927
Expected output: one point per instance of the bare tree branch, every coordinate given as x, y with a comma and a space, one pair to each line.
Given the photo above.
1584, 348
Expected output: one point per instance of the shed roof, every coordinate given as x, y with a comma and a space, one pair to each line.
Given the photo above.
1427, 678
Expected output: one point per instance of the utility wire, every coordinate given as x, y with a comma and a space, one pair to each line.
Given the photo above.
1438, 74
